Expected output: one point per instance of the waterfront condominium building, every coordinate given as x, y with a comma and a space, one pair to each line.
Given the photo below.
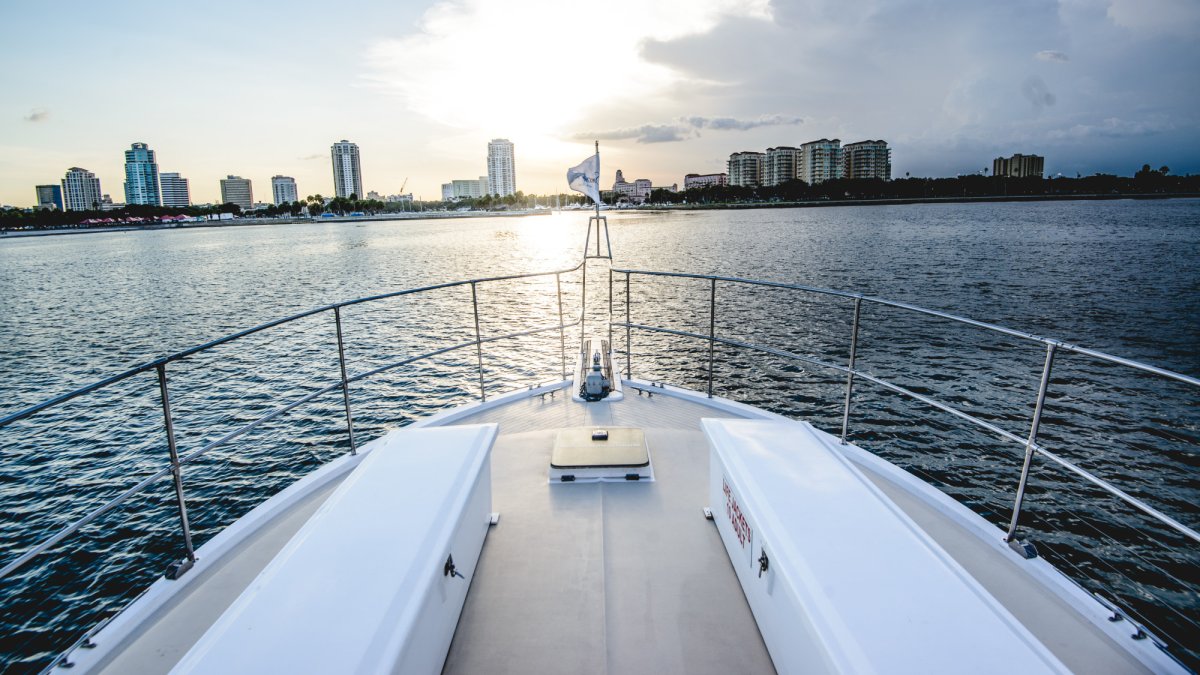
283, 189
867, 159
696, 180
782, 164
1019, 166
821, 160
347, 172
81, 190
141, 176
465, 188
746, 168
50, 197
237, 190
175, 190
502, 169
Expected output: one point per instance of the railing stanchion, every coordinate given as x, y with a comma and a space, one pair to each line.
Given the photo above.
562, 330
583, 304
337, 319
628, 333
1029, 447
850, 372
176, 569
712, 330
478, 342
610, 308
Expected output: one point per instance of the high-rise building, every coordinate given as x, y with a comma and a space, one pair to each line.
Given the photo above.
347, 172
502, 169
50, 197
237, 190
746, 168
81, 190
175, 190
867, 159
1019, 166
695, 180
141, 176
283, 189
821, 160
781, 165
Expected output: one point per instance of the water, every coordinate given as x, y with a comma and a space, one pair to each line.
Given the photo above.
1116, 276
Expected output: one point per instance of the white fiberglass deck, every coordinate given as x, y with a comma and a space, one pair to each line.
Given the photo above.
621, 577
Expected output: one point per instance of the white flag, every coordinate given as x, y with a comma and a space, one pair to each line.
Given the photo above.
585, 178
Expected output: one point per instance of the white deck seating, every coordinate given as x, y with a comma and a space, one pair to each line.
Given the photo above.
362, 587
852, 583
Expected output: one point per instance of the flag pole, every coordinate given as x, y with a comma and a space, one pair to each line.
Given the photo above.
597, 192
597, 187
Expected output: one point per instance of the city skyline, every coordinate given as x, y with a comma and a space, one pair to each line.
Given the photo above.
1093, 85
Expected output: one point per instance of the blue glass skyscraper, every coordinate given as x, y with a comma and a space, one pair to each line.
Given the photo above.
50, 197
141, 176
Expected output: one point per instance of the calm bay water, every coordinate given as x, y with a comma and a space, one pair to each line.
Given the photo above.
1121, 277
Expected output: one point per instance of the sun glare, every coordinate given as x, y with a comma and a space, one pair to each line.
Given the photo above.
528, 68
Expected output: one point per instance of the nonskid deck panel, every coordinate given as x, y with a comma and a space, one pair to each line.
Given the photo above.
604, 577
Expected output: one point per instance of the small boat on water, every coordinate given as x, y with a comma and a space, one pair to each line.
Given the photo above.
605, 523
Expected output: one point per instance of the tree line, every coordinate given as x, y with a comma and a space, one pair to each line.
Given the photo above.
1146, 181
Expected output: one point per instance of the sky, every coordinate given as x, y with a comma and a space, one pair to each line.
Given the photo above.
668, 87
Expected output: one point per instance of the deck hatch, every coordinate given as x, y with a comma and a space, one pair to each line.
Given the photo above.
594, 453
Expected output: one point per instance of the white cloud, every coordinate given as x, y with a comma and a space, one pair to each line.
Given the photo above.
1051, 55
38, 115
1181, 17
535, 67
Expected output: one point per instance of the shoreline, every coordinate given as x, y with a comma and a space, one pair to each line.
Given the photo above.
732, 206
246, 222
902, 201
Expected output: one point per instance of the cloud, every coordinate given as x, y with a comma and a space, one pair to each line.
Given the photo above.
1148, 17
857, 72
646, 133
38, 115
1051, 55
1112, 127
480, 64
686, 127
312, 157
742, 125
1035, 90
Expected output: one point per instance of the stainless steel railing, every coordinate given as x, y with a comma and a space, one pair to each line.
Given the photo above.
177, 461
1052, 346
